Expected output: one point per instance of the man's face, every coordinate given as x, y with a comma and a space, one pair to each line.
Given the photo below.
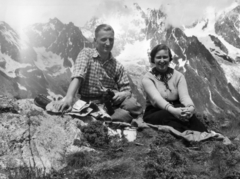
104, 41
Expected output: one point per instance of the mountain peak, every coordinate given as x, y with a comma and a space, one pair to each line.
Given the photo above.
137, 6
237, 9
4, 24
55, 21
71, 24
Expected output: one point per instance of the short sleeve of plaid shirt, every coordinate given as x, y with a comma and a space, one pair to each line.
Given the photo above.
80, 67
122, 79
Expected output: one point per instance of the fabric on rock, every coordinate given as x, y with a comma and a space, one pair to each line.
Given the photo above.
188, 135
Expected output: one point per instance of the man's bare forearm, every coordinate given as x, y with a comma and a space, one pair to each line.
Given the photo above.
73, 87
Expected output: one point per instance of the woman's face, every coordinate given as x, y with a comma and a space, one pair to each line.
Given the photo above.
162, 60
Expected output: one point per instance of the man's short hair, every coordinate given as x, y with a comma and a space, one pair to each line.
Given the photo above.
104, 27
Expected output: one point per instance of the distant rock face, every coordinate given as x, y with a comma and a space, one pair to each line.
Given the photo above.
219, 44
228, 41
222, 47
228, 27
9, 41
12, 46
43, 62
61, 39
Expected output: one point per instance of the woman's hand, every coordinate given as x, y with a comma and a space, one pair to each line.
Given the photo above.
190, 111
179, 113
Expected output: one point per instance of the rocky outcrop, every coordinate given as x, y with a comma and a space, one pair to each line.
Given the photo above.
34, 144
30, 137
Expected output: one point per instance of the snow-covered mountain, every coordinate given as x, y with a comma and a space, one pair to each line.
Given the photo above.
220, 35
41, 60
206, 52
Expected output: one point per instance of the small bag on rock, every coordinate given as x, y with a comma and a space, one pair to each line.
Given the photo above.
41, 101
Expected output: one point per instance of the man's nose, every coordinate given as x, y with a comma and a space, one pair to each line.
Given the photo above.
108, 42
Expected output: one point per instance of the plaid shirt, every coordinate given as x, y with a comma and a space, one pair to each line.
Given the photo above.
97, 73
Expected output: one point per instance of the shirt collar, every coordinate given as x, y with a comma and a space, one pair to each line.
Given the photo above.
97, 55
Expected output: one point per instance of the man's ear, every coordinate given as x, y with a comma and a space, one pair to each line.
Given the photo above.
94, 42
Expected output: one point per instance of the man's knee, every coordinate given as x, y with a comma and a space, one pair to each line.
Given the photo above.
121, 115
131, 105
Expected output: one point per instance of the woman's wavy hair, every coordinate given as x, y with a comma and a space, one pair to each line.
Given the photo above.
157, 48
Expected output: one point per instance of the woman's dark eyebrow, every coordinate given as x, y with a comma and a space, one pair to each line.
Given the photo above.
162, 56
107, 38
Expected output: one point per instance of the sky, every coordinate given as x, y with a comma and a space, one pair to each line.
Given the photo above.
21, 13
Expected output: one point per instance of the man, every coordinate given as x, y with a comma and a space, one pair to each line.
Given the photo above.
95, 70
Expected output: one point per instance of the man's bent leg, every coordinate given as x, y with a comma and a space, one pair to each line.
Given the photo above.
121, 115
132, 106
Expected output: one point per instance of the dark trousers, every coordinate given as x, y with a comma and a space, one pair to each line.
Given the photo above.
158, 116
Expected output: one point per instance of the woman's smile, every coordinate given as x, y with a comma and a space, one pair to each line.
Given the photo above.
162, 61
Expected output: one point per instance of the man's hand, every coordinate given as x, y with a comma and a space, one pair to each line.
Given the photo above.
65, 105
120, 97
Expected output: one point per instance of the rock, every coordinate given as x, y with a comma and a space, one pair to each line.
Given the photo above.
8, 105
237, 138
3, 176
32, 137
75, 149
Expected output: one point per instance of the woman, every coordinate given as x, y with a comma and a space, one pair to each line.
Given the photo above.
168, 101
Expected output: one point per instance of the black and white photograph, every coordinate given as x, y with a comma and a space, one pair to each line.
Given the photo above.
119, 89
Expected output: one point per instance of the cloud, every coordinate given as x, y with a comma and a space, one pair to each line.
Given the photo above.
80, 11
185, 12
110, 7
179, 12
117, 14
